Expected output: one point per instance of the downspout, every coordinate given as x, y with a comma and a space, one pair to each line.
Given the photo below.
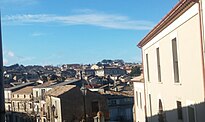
202, 42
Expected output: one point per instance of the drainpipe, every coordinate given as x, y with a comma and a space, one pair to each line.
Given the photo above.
2, 99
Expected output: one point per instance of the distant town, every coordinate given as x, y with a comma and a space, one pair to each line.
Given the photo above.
70, 92
168, 86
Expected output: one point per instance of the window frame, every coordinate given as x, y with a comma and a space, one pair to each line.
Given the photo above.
179, 110
175, 60
158, 65
147, 62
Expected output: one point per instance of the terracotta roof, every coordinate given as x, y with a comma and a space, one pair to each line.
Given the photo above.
59, 90
54, 83
25, 90
179, 9
124, 93
14, 88
46, 84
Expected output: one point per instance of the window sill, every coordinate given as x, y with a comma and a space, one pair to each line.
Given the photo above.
178, 84
160, 82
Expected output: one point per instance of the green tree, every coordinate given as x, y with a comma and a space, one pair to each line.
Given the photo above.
135, 71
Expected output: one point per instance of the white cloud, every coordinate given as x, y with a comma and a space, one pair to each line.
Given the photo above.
10, 54
87, 17
10, 58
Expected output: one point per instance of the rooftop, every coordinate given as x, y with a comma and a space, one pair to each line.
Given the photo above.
59, 90
18, 86
116, 93
52, 84
25, 90
178, 10
138, 79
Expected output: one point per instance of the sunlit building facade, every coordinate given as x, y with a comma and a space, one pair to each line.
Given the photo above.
173, 62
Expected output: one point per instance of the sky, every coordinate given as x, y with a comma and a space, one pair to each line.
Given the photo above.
54, 32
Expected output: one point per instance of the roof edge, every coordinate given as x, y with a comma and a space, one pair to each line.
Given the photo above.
167, 20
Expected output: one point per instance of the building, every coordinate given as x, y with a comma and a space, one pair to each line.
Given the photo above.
66, 104
139, 101
8, 94
21, 106
110, 71
120, 106
39, 95
95, 66
88, 72
22, 100
173, 61
69, 73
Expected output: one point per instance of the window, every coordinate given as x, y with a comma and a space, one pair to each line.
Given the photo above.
56, 111
13, 106
158, 65
95, 107
43, 94
191, 114
161, 114
18, 105
24, 106
140, 101
137, 98
147, 61
179, 110
175, 60
24, 96
30, 105
37, 109
36, 93
9, 107
112, 102
48, 113
150, 104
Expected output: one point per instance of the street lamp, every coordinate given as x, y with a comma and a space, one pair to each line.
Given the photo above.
84, 92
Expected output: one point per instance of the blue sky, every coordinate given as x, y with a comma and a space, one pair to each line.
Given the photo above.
56, 32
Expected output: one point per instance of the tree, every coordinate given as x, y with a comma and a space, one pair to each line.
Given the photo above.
135, 71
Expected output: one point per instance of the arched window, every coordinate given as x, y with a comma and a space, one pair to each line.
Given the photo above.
161, 114
160, 106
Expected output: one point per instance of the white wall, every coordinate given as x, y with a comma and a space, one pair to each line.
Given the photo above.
139, 110
58, 107
7, 95
100, 72
186, 29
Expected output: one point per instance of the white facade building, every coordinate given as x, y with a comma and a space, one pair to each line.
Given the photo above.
139, 99
173, 61
8, 94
